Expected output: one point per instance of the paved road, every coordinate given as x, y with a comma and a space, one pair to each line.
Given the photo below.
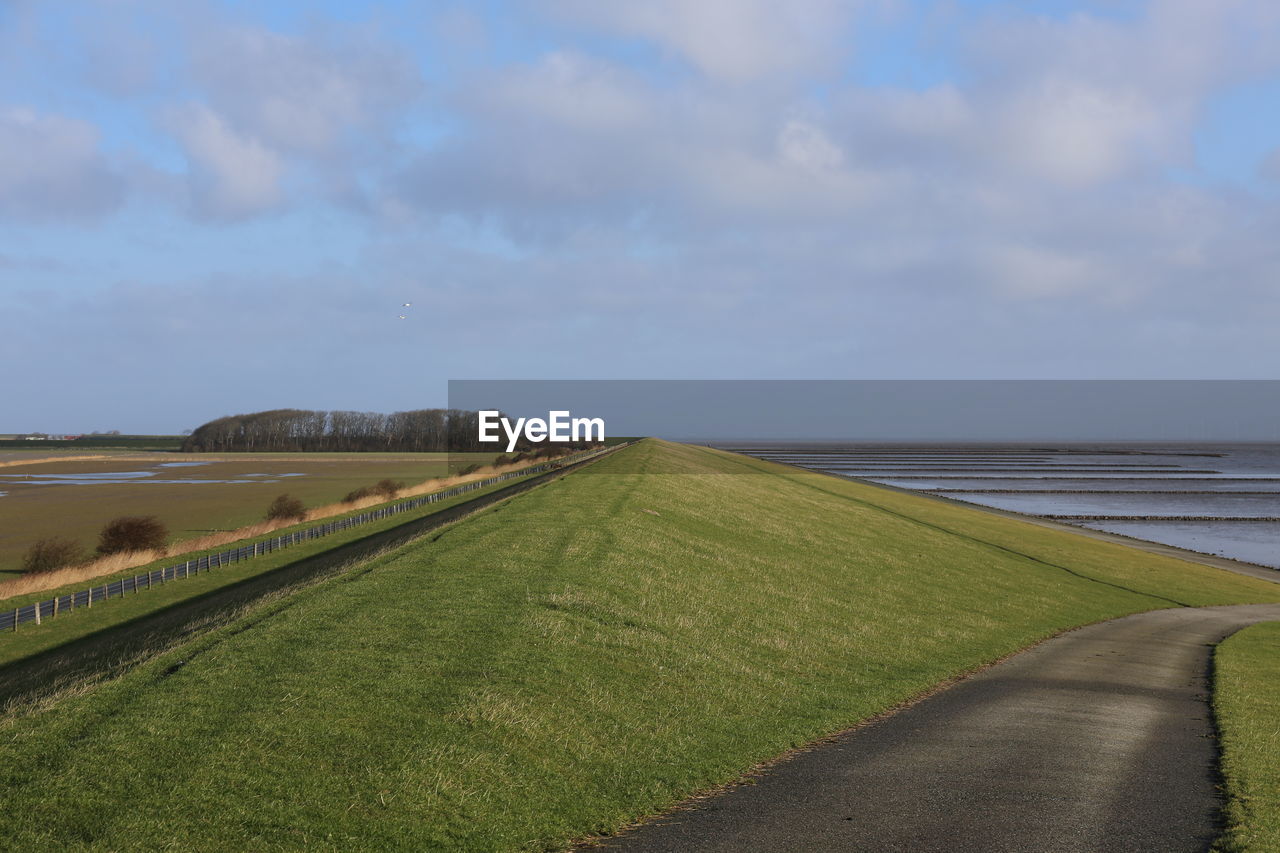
1097, 740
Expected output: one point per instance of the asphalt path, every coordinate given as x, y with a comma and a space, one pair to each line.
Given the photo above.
1100, 739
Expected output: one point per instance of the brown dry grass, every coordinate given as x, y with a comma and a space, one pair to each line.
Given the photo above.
17, 462
33, 510
113, 563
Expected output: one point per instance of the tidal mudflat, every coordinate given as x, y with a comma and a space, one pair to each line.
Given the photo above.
1221, 499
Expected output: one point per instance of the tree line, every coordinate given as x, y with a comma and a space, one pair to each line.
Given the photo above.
421, 430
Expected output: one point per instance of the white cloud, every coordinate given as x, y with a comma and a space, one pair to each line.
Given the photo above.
1031, 271
569, 138
1077, 135
1086, 99
232, 175
52, 167
574, 91
302, 94
734, 40
1025, 199
804, 145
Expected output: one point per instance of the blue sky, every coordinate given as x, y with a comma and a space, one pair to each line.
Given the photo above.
208, 208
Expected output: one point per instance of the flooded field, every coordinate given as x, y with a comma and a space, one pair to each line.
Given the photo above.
191, 494
1216, 499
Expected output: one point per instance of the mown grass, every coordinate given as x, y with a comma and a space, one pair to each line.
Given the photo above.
590, 652
1247, 704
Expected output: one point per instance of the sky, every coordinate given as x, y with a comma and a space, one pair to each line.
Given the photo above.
219, 207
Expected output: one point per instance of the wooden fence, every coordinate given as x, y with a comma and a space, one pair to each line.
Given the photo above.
42, 611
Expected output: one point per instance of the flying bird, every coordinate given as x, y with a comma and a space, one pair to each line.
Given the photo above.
407, 304
402, 317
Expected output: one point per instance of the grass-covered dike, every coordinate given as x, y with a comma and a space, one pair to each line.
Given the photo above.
585, 654
1247, 704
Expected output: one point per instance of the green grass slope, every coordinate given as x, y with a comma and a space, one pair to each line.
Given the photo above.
585, 654
30, 639
1247, 702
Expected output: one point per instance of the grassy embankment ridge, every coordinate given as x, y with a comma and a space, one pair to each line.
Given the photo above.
1247, 704
83, 623
590, 652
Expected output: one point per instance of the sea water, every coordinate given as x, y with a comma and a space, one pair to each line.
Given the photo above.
1221, 499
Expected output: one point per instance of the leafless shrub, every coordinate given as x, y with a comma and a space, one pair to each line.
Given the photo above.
389, 488
132, 533
286, 508
52, 553
359, 494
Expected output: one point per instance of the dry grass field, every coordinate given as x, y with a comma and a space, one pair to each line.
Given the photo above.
9, 458
75, 498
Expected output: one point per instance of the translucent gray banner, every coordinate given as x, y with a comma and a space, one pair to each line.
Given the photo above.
725, 411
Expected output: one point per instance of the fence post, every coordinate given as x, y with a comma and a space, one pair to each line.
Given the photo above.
15, 618
38, 612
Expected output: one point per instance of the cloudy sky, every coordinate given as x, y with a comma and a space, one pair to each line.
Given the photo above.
208, 207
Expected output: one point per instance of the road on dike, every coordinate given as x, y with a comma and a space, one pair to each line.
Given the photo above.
1100, 739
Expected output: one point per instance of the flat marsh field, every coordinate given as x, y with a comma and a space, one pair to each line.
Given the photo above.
192, 494
589, 652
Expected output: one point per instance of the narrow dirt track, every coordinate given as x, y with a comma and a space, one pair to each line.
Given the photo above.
1098, 740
